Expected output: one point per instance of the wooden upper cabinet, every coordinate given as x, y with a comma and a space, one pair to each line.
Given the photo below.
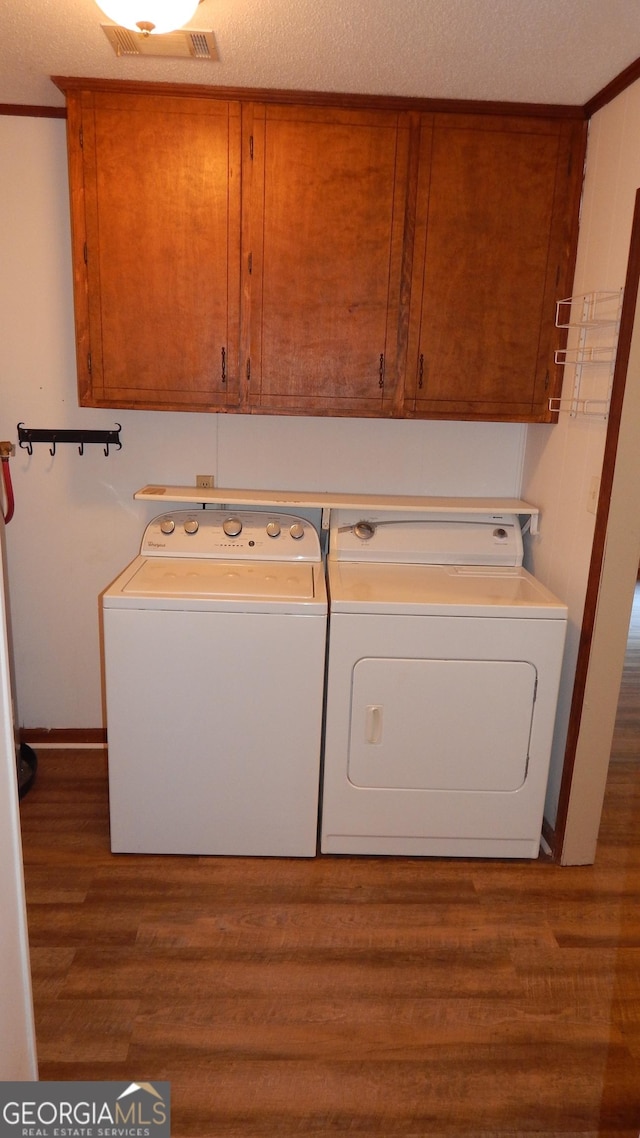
323, 255
497, 204
324, 226
155, 185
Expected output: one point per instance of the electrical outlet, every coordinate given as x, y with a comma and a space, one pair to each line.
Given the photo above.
205, 481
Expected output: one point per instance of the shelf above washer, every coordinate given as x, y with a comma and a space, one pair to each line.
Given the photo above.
327, 501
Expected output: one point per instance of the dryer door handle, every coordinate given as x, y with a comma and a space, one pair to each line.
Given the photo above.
373, 723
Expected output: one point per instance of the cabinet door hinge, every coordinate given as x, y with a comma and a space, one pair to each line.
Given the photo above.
381, 371
89, 365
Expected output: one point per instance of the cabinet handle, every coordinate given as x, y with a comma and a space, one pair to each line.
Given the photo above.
381, 371
224, 366
421, 371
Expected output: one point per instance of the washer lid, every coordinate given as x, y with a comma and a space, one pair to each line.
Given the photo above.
167, 583
209, 579
440, 590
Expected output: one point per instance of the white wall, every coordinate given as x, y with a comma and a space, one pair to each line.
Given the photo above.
561, 461
17, 1035
76, 524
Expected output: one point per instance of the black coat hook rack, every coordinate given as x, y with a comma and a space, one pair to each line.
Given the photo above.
27, 436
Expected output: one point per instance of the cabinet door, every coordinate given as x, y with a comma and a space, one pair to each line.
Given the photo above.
155, 184
496, 216
325, 220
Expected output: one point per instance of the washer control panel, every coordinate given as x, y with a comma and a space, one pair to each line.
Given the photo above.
233, 535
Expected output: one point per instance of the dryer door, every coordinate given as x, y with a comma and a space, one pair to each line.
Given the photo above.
441, 724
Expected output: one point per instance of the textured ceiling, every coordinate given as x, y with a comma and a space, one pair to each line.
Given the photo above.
541, 51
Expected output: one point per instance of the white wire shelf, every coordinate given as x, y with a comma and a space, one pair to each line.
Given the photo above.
593, 322
599, 407
597, 309
589, 354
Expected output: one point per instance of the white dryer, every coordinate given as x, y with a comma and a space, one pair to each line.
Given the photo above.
214, 653
443, 672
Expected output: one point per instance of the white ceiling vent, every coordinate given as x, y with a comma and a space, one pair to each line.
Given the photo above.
187, 43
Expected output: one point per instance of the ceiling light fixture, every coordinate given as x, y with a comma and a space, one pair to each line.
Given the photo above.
149, 16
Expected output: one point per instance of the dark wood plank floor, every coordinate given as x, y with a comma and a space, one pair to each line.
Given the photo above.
626, 740
360, 996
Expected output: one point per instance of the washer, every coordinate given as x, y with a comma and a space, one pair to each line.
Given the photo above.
214, 652
443, 672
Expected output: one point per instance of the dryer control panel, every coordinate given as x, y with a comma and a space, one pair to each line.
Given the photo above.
426, 539
232, 535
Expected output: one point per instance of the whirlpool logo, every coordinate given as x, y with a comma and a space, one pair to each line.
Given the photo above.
85, 1110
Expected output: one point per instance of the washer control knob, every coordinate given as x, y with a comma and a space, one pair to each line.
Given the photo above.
192, 525
167, 525
500, 534
232, 526
364, 530
273, 529
297, 531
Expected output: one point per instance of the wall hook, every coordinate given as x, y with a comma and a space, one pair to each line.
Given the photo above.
113, 437
27, 436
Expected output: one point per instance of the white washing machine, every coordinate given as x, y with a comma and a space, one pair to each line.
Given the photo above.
443, 672
214, 653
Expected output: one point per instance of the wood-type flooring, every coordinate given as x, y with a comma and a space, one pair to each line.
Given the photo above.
370, 997
626, 739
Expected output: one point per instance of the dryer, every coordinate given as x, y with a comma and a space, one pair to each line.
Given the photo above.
214, 656
442, 681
